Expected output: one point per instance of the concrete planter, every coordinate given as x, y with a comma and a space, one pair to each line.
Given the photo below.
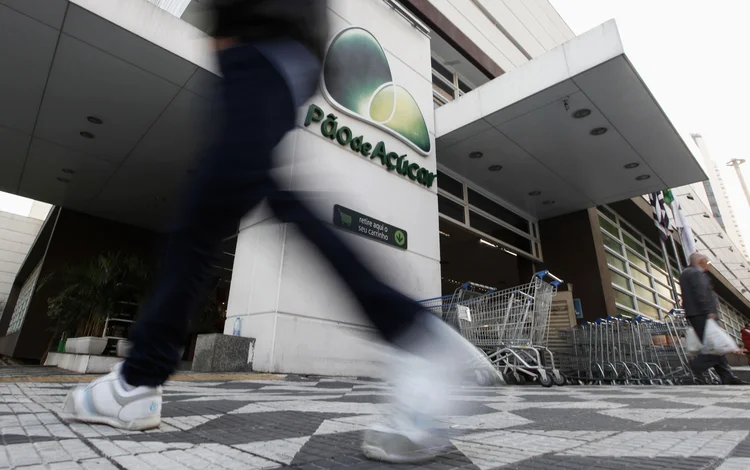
123, 348
86, 345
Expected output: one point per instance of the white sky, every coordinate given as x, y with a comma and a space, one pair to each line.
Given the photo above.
693, 56
15, 204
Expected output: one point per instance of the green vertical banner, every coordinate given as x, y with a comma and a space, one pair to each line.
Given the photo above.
366, 226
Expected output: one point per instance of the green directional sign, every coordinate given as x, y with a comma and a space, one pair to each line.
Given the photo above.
366, 226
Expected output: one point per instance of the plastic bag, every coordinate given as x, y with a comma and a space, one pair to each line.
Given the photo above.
717, 341
693, 343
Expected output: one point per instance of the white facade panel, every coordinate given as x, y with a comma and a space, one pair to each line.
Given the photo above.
522, 12
17, 234
285, 296
484, 30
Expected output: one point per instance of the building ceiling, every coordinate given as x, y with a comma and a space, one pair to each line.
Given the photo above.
67, 65
526, 122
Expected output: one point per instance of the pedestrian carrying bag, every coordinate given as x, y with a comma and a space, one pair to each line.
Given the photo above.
717, 341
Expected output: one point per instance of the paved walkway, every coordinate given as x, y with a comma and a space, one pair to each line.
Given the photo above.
259, 422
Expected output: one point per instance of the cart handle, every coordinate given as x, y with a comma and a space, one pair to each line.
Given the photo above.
466, 285
556, 281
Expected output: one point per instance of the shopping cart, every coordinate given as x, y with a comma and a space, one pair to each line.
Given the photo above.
511, 326
636, 350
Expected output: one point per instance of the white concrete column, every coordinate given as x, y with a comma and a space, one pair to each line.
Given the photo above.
303, 318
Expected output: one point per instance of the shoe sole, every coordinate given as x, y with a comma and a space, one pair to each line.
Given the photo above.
82, 415
379, 455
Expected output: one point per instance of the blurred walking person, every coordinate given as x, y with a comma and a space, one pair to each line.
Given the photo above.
699, 302
270, 54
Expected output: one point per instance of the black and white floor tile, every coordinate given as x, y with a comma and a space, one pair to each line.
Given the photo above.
318, 424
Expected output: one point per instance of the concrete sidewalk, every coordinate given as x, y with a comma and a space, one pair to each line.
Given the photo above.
263, 421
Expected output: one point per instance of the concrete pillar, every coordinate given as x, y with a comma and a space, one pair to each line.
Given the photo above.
283, 294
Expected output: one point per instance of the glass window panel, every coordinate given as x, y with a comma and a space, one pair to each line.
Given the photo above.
607, 212
636, 260
653, 247
464, 87
663, 290
666, 303
451, 209
499, 232
659, 276
624, 299
631, 231
449, 185
634, 244
647, 309
616, 262
442, 70
496, 210
612, 243
609, 226
441, 87
641, 277
656, 261
643, 292
620, 280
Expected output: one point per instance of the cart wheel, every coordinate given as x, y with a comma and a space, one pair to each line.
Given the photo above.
559, 378
546, 380
509, 378
521, 380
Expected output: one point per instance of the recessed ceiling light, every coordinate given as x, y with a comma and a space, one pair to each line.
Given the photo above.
535, 193
630, 166
94, 120
642, 177
598, 131
68, 171
548, 202
87, 134
63, 180
581, 113
485, 242
476, 155
495, 168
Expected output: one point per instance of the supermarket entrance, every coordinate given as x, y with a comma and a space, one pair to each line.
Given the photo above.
467, 257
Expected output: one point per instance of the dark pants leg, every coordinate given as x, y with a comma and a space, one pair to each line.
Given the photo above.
257, 110
703, 362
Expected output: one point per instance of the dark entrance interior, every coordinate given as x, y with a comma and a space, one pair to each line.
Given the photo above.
467, 257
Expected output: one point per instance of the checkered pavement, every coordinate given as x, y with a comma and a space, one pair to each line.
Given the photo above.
318, 424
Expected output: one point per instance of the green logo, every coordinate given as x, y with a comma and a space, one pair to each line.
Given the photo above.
357, 80
346, 219
399, 237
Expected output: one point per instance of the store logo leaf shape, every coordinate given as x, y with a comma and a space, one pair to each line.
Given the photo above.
357, 80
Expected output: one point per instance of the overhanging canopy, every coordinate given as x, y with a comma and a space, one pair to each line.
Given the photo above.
537, 122
141, 71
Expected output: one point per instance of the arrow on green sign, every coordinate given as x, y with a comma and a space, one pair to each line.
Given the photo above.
399, 237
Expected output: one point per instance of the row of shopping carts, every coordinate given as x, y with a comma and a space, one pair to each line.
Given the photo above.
510, 326
630, 351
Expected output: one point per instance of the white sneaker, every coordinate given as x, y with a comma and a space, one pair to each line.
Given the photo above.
107, 401
396, 445
437, 361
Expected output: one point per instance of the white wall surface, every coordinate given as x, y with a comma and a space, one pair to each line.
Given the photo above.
301, 315
509, 31
720, 193
17, 234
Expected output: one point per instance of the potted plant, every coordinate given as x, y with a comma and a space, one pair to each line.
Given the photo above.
90, 294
